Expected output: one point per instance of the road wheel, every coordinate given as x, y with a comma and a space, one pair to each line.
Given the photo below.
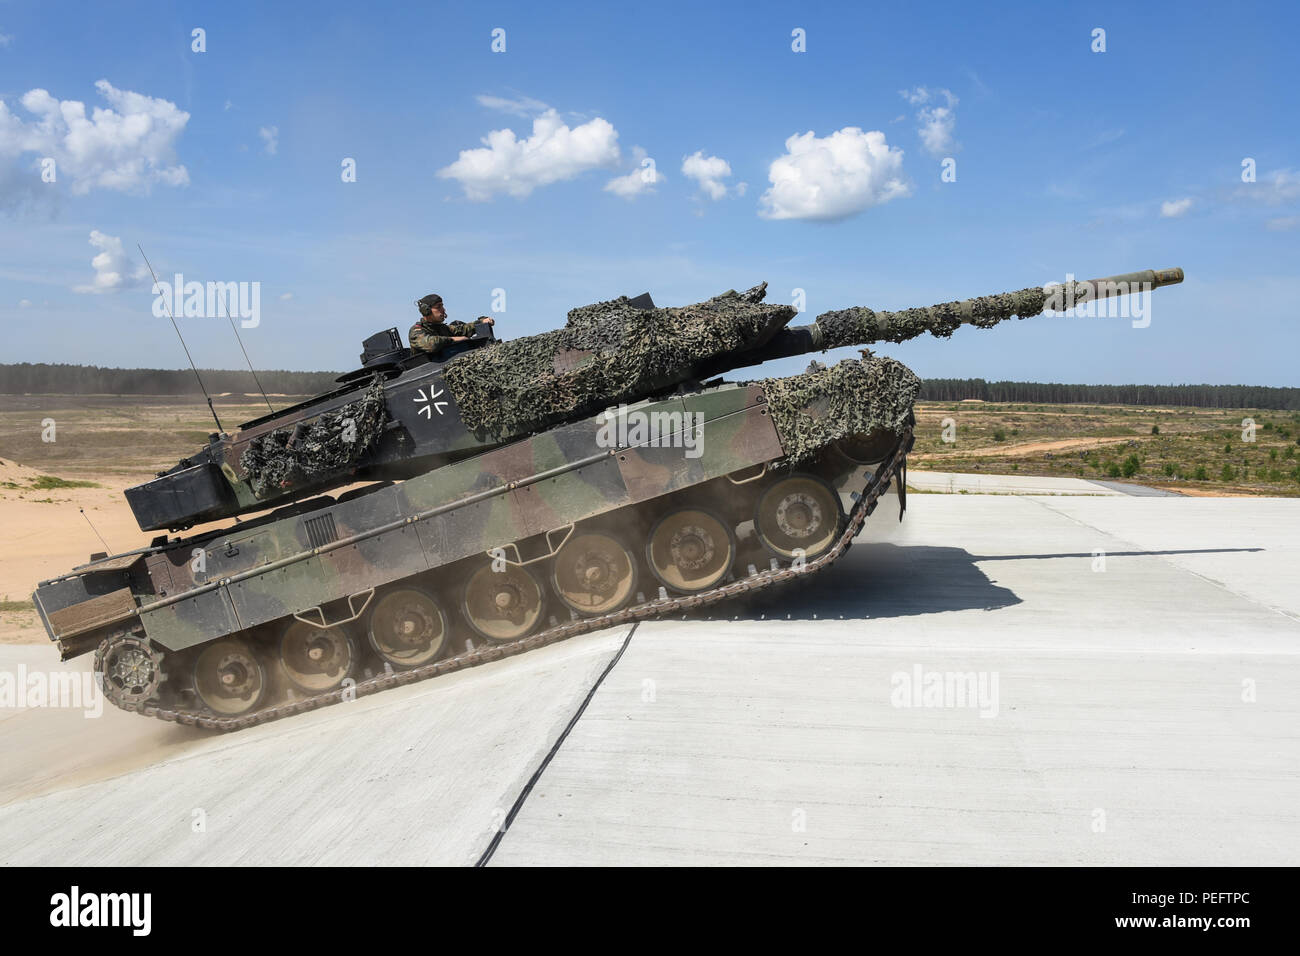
229, 678
407, 628
503, 605
316, 659
594, 573
691, 550
798, 514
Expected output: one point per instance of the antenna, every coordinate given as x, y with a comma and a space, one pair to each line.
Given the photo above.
226, 312
93, 528
168, 307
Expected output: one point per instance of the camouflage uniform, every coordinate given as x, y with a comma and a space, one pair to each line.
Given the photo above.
433, 337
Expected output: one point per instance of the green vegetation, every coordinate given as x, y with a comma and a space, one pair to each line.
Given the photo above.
8, 605
1155, 429
1201, 474
1131, 466
49, 482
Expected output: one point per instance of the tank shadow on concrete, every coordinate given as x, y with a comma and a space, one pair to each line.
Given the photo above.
881, 580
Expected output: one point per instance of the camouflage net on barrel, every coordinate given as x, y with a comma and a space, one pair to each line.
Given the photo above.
607, 353
862, 326
315, 450
854, 397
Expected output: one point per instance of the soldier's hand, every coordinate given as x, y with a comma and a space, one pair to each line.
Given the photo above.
488, 319
460, 338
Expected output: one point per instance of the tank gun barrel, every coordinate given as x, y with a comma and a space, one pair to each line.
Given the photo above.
863, 326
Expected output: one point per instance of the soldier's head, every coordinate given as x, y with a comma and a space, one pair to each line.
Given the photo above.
431, 309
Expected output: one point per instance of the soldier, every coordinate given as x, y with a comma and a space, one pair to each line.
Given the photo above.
433, 333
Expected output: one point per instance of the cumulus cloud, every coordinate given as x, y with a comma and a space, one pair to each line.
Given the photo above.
935, 121
270, 139
554, 152
524, 106
113, 268
128, 146
709, 172
1273, 189
641, 181
833, 177
1173, 209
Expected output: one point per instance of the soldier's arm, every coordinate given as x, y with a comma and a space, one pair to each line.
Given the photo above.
460, 328
423, 341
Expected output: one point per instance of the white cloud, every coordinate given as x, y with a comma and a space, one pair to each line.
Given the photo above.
228, 106
834, 176
1173, 209
641, 181
935, 122
127, 147
524, 106
507, 164
113, 269
270, 138
709, 172
5, 39
24, 303
1283, 223
286, 296
1274, 189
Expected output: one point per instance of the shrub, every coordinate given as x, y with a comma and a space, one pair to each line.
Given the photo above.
1131, 466
1155, 429
1228, 474
1112, 469
1272, 454
1169, 468
1201, 474
999, 434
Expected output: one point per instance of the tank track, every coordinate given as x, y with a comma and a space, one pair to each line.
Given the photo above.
865, 504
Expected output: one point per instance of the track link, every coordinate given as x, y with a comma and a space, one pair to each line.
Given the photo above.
878, 484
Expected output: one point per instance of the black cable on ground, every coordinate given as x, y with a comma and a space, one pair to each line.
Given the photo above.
537, 774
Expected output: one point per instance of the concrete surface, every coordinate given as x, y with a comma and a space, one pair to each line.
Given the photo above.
1146, 705
420, 775
953, 482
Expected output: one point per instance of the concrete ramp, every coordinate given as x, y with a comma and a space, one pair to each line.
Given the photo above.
416, 776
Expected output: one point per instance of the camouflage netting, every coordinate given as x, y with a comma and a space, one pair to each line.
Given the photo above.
607, 353
315, 450
826, 404
862, 326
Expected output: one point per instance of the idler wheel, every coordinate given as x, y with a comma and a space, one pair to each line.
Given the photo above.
407, 628
503, 605
594, 573
798, 514
867, 448
316, 659
691, 550
229, 678
132, 670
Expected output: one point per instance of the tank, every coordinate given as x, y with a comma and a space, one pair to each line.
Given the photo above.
425, 516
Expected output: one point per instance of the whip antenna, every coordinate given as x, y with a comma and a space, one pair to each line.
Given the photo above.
168, 307
94, 529
222, 300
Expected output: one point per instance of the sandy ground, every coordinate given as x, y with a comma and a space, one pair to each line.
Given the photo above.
1032, 448
44, 534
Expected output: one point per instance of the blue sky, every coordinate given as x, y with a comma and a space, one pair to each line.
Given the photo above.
1067, 160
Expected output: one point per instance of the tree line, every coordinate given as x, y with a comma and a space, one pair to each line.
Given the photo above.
42, 378
1199, 396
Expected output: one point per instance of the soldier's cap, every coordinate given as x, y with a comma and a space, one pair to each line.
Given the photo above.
426, 304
